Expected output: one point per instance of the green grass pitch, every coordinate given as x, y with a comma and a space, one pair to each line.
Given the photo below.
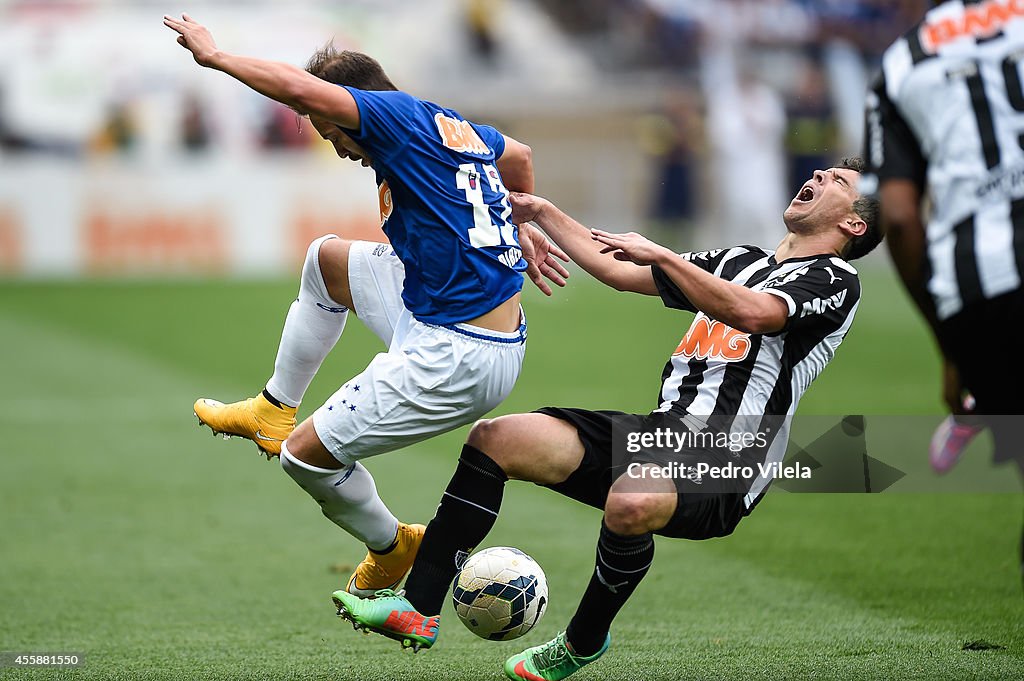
131, 535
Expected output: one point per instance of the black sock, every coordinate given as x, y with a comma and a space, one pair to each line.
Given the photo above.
621, 563
465, 515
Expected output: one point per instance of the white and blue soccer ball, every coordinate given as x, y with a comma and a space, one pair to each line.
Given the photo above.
500, 594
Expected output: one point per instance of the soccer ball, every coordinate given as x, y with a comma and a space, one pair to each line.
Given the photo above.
500, 593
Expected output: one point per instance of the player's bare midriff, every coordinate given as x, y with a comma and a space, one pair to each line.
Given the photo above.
505, 318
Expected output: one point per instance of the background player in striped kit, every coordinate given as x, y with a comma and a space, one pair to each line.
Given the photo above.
767, 324
945, 120
444, 295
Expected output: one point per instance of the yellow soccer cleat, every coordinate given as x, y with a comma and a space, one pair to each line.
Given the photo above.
386, 571
254, 419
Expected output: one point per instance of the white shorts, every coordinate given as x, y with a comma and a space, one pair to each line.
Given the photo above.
431, 380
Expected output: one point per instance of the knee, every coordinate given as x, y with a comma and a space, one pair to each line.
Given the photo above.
294, 467
327, 249
327, 253
319, 251
487, 436
328, 258
304, 448
484, 435
633, 513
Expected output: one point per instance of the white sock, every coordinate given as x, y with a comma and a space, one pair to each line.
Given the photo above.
348, 497
312, 327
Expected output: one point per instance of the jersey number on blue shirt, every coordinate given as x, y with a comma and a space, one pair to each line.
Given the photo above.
485, 232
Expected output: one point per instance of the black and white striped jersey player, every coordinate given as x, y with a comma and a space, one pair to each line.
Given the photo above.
719, 372
767, 323
945, 147
945, 127
946, 115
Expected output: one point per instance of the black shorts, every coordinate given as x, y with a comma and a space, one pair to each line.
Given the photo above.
699, 514
980, 342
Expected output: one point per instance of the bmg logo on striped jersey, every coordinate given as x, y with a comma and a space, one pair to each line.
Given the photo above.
982, 20
711, 339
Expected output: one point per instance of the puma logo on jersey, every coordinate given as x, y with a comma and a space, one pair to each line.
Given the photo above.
460, 135
821, 305
980, 21
711, 339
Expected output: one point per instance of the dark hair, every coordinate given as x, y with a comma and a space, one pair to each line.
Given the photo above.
867, 209
344, 67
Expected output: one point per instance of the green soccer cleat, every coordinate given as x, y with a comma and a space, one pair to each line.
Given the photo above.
388, 614
551, 661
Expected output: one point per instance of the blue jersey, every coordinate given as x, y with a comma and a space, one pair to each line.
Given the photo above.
443, 205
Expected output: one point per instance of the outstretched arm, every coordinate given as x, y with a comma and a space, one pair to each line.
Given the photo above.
284, 83
732, 304
576, 241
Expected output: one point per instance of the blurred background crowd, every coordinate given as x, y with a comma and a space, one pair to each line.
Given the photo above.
694, 120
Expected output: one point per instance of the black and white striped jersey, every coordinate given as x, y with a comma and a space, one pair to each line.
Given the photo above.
947, 112
719, 371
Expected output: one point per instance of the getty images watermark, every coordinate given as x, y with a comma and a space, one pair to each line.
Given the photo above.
730, 471
846, 454
675, 441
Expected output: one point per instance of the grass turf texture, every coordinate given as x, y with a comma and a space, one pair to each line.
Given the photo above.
131, 535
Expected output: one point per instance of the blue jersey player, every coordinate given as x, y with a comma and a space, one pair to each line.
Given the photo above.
443, 295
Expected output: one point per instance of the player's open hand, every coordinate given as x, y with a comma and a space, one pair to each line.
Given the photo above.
541, 258
630, 247
194, 37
